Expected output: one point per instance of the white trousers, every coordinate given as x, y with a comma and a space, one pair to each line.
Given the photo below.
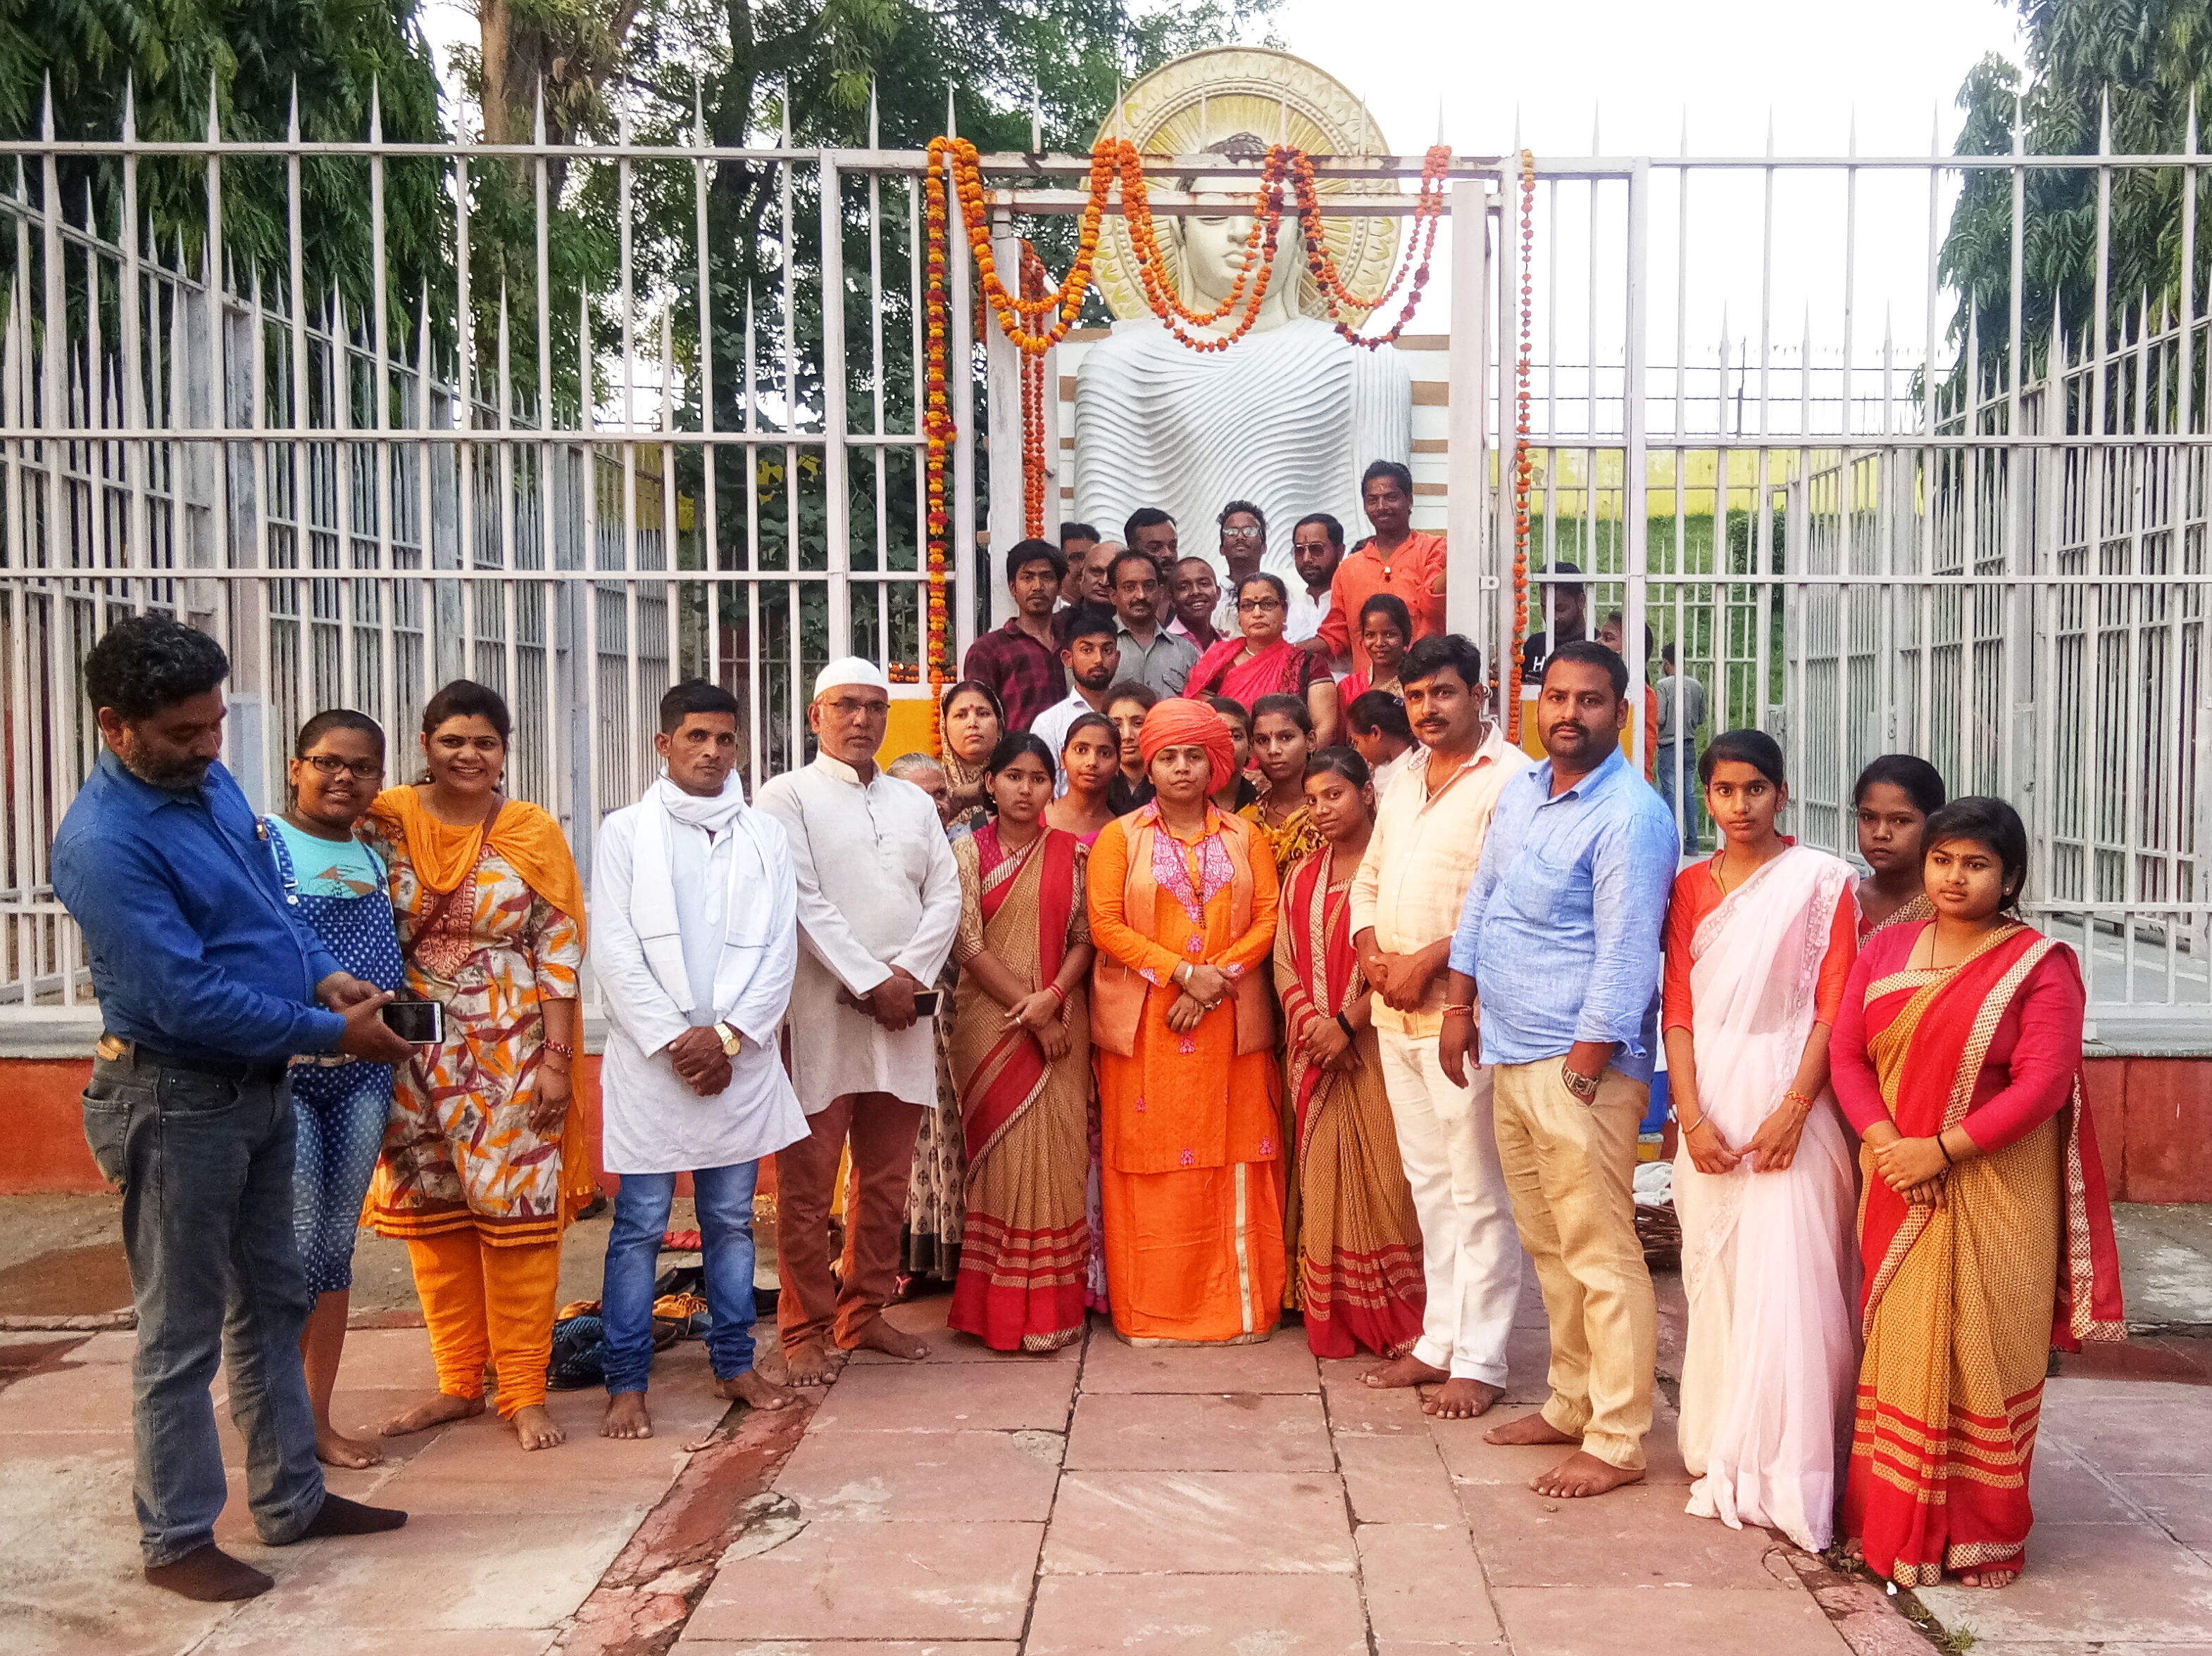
1470, 1252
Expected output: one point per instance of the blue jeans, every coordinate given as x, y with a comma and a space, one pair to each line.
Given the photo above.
1686, 812
205, 1166
340, 1113
724, 1202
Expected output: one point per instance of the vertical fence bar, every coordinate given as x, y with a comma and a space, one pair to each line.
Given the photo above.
837, 499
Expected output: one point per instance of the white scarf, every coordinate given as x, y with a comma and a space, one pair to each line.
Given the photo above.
652, 910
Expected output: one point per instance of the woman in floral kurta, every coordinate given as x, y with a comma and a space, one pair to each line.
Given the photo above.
483, 1161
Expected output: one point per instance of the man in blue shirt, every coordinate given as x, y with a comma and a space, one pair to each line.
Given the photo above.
208, 985
1560, 935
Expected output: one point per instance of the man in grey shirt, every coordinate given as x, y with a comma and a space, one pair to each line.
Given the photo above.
1681, 711
1150, 653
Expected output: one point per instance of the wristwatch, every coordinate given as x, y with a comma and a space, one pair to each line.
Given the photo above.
732, 1042
1582, 1086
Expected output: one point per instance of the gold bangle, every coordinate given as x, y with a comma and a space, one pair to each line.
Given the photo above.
1793, 1096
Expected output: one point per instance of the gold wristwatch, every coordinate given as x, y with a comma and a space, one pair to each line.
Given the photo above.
732, 1042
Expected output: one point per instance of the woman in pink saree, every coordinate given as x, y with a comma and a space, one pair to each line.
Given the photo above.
1262, 662
1760, 942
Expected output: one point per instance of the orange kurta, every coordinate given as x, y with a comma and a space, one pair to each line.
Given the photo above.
1192, 1133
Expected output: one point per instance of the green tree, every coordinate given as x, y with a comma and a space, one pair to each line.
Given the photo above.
2150, 58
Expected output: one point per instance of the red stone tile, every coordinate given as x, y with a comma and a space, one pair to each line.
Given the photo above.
1282, 1363
918, 1581
1141, 1523
1638, 1537
378, 1358
1423, 1583
949, 1398
1197, 1615
1396, 1480
925, 1318
2087, 1584
1682, 1621
380, 1642
690, 1647
2169, 1127
1468, 1459
979, 1476
1355, 1408
1242, 1432
74, 1398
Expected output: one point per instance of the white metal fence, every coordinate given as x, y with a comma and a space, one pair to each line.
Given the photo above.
2002, 570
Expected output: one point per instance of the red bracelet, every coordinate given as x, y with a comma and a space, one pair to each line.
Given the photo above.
1058, 994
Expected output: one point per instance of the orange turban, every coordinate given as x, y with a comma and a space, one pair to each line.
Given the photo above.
1180, 722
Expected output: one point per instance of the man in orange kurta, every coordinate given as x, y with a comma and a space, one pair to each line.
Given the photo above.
1191, 1134
1397, 559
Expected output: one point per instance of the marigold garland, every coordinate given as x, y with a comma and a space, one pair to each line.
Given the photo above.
1523, 462
1022, 313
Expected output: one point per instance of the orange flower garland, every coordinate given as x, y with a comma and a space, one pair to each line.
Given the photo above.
1033, 473
937, 430
1523, 462
1420, 245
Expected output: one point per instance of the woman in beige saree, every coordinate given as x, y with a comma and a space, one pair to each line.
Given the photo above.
1020, 1055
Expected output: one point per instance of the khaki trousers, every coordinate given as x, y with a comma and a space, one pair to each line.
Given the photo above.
1570, 1167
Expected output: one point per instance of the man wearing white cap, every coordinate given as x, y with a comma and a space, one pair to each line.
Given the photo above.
879, 904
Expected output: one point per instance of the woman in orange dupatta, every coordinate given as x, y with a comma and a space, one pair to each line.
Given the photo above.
1020, 1055
1182, 913
1359, 1238
1985, 1229
486, 1158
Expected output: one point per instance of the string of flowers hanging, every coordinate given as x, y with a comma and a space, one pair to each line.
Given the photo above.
1523, 462
1420, 246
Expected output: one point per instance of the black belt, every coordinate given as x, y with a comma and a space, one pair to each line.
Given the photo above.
114, 1047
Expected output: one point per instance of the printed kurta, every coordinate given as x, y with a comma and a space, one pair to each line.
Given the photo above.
1193, 1173
460, 1154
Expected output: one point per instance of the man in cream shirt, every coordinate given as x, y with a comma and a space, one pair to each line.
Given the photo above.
1406, 901
879, 904
695, 937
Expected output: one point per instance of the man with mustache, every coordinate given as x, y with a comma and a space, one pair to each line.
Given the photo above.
208, 985
1430, 827
1560, 934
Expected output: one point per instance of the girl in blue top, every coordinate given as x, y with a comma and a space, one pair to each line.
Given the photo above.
340, 1107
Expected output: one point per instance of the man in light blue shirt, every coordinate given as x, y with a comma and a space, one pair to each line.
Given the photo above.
1559, 944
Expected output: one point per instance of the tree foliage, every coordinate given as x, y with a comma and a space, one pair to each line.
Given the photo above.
2152, 58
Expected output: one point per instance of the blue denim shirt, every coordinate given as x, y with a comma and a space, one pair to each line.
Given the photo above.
1561, 927
192, 948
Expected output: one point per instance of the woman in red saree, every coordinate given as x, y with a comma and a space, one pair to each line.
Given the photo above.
1020, 1055
1984, 1229
1359, 1240
1263, 663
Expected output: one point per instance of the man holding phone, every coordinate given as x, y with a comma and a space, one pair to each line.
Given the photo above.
879, 904
208, 985
694, 937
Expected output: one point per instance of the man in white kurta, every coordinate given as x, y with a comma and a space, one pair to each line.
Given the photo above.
879, 904
695, 939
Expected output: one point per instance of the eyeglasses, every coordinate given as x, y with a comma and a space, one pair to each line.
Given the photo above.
848, 707
361, 770
1248, 533
1253, 606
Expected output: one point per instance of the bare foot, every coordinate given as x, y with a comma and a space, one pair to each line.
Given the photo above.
436, 1412
755, 1388
1991, 1578
627, 1416
1854, 1550
1529, 1429
1581, 1474
1403, 1370
534, 1428
334, 1448
1461, 1399
812, 1364
880, 1336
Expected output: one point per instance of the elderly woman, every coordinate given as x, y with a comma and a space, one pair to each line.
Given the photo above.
1262, 663
1182, 914
485, 1163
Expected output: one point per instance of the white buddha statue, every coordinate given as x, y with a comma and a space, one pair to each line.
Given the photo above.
1287, 417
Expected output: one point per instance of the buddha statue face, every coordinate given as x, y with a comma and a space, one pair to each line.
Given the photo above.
1213, 247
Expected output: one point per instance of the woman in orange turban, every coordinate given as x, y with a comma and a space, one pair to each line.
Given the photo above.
1182, 913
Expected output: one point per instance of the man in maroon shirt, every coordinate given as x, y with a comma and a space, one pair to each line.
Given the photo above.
1021, 659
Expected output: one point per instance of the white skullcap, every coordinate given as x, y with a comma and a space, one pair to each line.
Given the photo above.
850, 670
